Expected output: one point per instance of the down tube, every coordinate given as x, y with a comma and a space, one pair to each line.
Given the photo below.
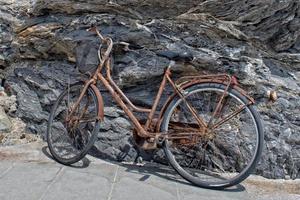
141, 130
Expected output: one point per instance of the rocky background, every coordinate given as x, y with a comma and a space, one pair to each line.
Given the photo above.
258, 41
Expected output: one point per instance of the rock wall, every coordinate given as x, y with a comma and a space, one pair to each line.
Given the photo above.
257, 40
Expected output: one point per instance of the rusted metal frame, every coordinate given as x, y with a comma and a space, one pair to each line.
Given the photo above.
87, 120
81, 115
89, 83
75, 121
230, 116
157, 99
99, 101
140, 130
182, 135
225, 100
185, 85
119, 91
105, 57
199, 120
94, 78
86, 85
162, 111
203, 78
220, 102
217, 79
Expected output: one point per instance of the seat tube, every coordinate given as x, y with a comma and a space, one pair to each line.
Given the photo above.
157, 98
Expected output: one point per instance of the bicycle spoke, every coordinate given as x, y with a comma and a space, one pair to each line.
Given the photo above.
220, 153
230, 116
73, 134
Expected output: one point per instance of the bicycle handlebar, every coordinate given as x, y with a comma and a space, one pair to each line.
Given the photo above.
106, 40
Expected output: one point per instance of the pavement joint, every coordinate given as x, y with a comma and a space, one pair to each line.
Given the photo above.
177, 191
57, 175
113, 184
7, 170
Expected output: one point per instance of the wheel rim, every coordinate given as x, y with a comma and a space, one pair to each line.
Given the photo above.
218, 161
70, 138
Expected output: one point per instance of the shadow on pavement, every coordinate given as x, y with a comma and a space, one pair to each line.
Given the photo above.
84, 163
152, 168
147, 169
167, 172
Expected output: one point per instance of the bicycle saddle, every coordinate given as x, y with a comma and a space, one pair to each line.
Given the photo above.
176, 56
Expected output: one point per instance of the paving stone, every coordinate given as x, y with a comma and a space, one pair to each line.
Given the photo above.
106, 171
4, 167
189, 192
144, 183
74, 184
26, 181
129, 188
43, 180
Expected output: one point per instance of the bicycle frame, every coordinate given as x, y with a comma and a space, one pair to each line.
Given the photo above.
150, 129
123, 101
189, 127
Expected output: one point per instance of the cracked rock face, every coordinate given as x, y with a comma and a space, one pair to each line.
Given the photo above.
258, 41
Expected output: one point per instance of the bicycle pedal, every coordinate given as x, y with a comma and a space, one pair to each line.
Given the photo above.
139, 161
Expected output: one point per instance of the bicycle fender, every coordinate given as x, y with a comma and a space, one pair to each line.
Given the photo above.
190, 84
100, 102
234, 86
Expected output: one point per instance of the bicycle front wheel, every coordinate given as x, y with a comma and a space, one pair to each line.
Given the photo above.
69, 137
227, 151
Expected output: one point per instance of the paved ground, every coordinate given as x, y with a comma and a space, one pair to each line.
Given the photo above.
27, 173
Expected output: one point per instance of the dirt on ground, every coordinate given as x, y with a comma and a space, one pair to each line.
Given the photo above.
17, 135
262, 188
13, 131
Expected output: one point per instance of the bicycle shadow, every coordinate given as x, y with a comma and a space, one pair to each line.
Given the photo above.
149, 169
166, 172
84, 163
146, 169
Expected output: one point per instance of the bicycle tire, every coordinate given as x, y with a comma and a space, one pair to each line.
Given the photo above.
82, 151
197, 180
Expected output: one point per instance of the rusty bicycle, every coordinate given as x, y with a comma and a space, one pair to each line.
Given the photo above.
209, 129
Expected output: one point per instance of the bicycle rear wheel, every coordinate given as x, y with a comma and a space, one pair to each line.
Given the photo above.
70, 137
219, 158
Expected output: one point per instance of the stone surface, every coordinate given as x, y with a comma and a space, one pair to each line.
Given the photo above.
12, 129
5, 123
114, 138
21, 182
8, 103
39, 177
84, 186
258, 41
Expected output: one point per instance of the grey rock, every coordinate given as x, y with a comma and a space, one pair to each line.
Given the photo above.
119, 124
114, 139
8, 103
112, 112
5, 123
29, 104
258, 41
